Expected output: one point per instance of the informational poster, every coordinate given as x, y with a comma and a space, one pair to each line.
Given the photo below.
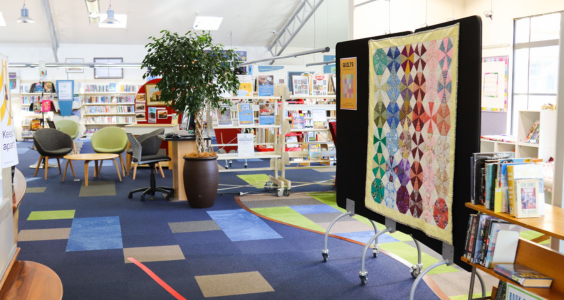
300, 85
319, 117
266, 113
108, 73
245, 144
8, 136
245, 85
319, 85
246, 115
348, 83
265, 85
494, 83
65, 89
516, 292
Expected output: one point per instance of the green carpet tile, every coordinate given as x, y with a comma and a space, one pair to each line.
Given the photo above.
288, 215
51, 215
465, 297
258, 180
409, 253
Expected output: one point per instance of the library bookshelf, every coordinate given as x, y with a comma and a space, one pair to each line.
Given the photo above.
532, 255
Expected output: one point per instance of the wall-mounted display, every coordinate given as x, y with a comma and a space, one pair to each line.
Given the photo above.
494, 83
108, 73
153, 95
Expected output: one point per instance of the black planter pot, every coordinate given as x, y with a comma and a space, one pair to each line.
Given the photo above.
201, 178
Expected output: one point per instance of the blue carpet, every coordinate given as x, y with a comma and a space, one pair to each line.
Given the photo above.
99, 233
291, 264
241, 225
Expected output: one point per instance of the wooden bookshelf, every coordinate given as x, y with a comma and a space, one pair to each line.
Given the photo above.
551, 224
532, 255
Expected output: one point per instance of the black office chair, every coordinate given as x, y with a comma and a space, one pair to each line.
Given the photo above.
141, 140
51, 143
151, 158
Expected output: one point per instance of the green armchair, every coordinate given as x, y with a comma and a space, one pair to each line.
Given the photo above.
69, 127
110, 140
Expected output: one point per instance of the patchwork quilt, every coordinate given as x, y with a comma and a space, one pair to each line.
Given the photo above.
412, 125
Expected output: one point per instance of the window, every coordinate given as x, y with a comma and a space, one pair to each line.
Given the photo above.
535, 63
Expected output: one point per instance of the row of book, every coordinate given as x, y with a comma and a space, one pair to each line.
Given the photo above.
30, 99
109, 120
110, 88
506, 184
108, 99
97, 109
126, 109
534, 133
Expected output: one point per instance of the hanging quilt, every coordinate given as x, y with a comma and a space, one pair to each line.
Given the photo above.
411, 135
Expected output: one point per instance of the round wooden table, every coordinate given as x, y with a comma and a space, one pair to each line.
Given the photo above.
87, 158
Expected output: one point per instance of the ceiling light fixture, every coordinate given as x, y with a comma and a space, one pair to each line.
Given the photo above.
93, 6
24, 18
207, 23
110, 19
122, 18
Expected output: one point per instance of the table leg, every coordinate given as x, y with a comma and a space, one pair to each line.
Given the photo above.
65, 174
95, 169
72, 168
117, 168
100, 168
86, 172
59, 163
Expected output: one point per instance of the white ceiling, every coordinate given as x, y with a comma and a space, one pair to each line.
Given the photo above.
252, 21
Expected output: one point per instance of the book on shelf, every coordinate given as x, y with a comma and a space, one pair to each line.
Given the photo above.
300, 85
501, 290
113, 87
524, 276
514, 292
532, 131
298, 120
526, 171
224, 115
314, 151
480, 233
267, 110
471, 220
245, 86
477, 163
503, 181
495, 227
319, 84
526, 198
245, 114
319, 117
265, 85
472, 238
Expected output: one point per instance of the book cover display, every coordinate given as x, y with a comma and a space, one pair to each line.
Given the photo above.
300, 85
319, 117
526, 195
245, 114
245, 86
298, 120
224, 116
314, 151
267, 111
265, 85
319, 85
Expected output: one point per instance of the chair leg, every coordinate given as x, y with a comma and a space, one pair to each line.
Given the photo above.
117, 169
122, 164
72, 168
95, 169
59, 163
74, 147
134, 171
38, 164
128, 159
46, 165
161, 169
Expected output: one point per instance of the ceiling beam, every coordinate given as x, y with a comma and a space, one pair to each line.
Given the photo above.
52, 30
294, 24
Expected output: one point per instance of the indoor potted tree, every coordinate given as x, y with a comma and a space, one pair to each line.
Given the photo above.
194, 72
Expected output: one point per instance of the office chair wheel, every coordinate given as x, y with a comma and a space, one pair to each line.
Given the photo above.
325, 256
363, 279
268, 186
286, 192
142, 197
130, 195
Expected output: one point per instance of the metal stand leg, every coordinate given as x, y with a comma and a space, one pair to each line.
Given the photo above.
416, 269
325, 251
482, 283
376, 246
363, 273
472, 280
420, 277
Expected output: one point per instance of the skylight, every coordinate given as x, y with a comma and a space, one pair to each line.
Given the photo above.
2, 21
207, 23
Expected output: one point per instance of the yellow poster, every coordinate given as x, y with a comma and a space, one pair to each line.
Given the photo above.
348, 83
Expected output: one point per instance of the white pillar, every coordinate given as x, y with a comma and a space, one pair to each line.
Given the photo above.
558, 185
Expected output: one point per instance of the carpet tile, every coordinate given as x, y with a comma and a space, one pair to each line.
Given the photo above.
51, 215
314, 209
35, 189
282, 201
98, 188
241, 225
326, 170
233, 284
193, 226
288, 215
43, 234
151, 254
98, 233
364, 236
349, 225
409, 253
256, 180
325, 217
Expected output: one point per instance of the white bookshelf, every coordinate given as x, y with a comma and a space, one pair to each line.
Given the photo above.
546, 146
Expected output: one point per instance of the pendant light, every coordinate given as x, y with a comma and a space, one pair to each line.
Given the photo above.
25, 16
110, 19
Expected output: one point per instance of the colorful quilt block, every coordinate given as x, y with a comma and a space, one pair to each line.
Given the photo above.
412, 116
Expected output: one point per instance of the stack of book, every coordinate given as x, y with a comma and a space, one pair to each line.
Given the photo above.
533, 136
508, 185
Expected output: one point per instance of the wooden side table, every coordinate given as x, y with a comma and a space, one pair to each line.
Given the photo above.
31, 280
87, 158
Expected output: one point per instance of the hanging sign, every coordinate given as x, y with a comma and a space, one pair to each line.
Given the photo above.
348, 83
65, 89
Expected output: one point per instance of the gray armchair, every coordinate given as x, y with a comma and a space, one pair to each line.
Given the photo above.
148, 147
51, 143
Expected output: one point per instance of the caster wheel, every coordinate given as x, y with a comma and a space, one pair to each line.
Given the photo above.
415, 271
375, 254
245, 166
363, 280
376, 250
230, 164
130, 195
268, 186
286, 192
325, 256
280, 193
